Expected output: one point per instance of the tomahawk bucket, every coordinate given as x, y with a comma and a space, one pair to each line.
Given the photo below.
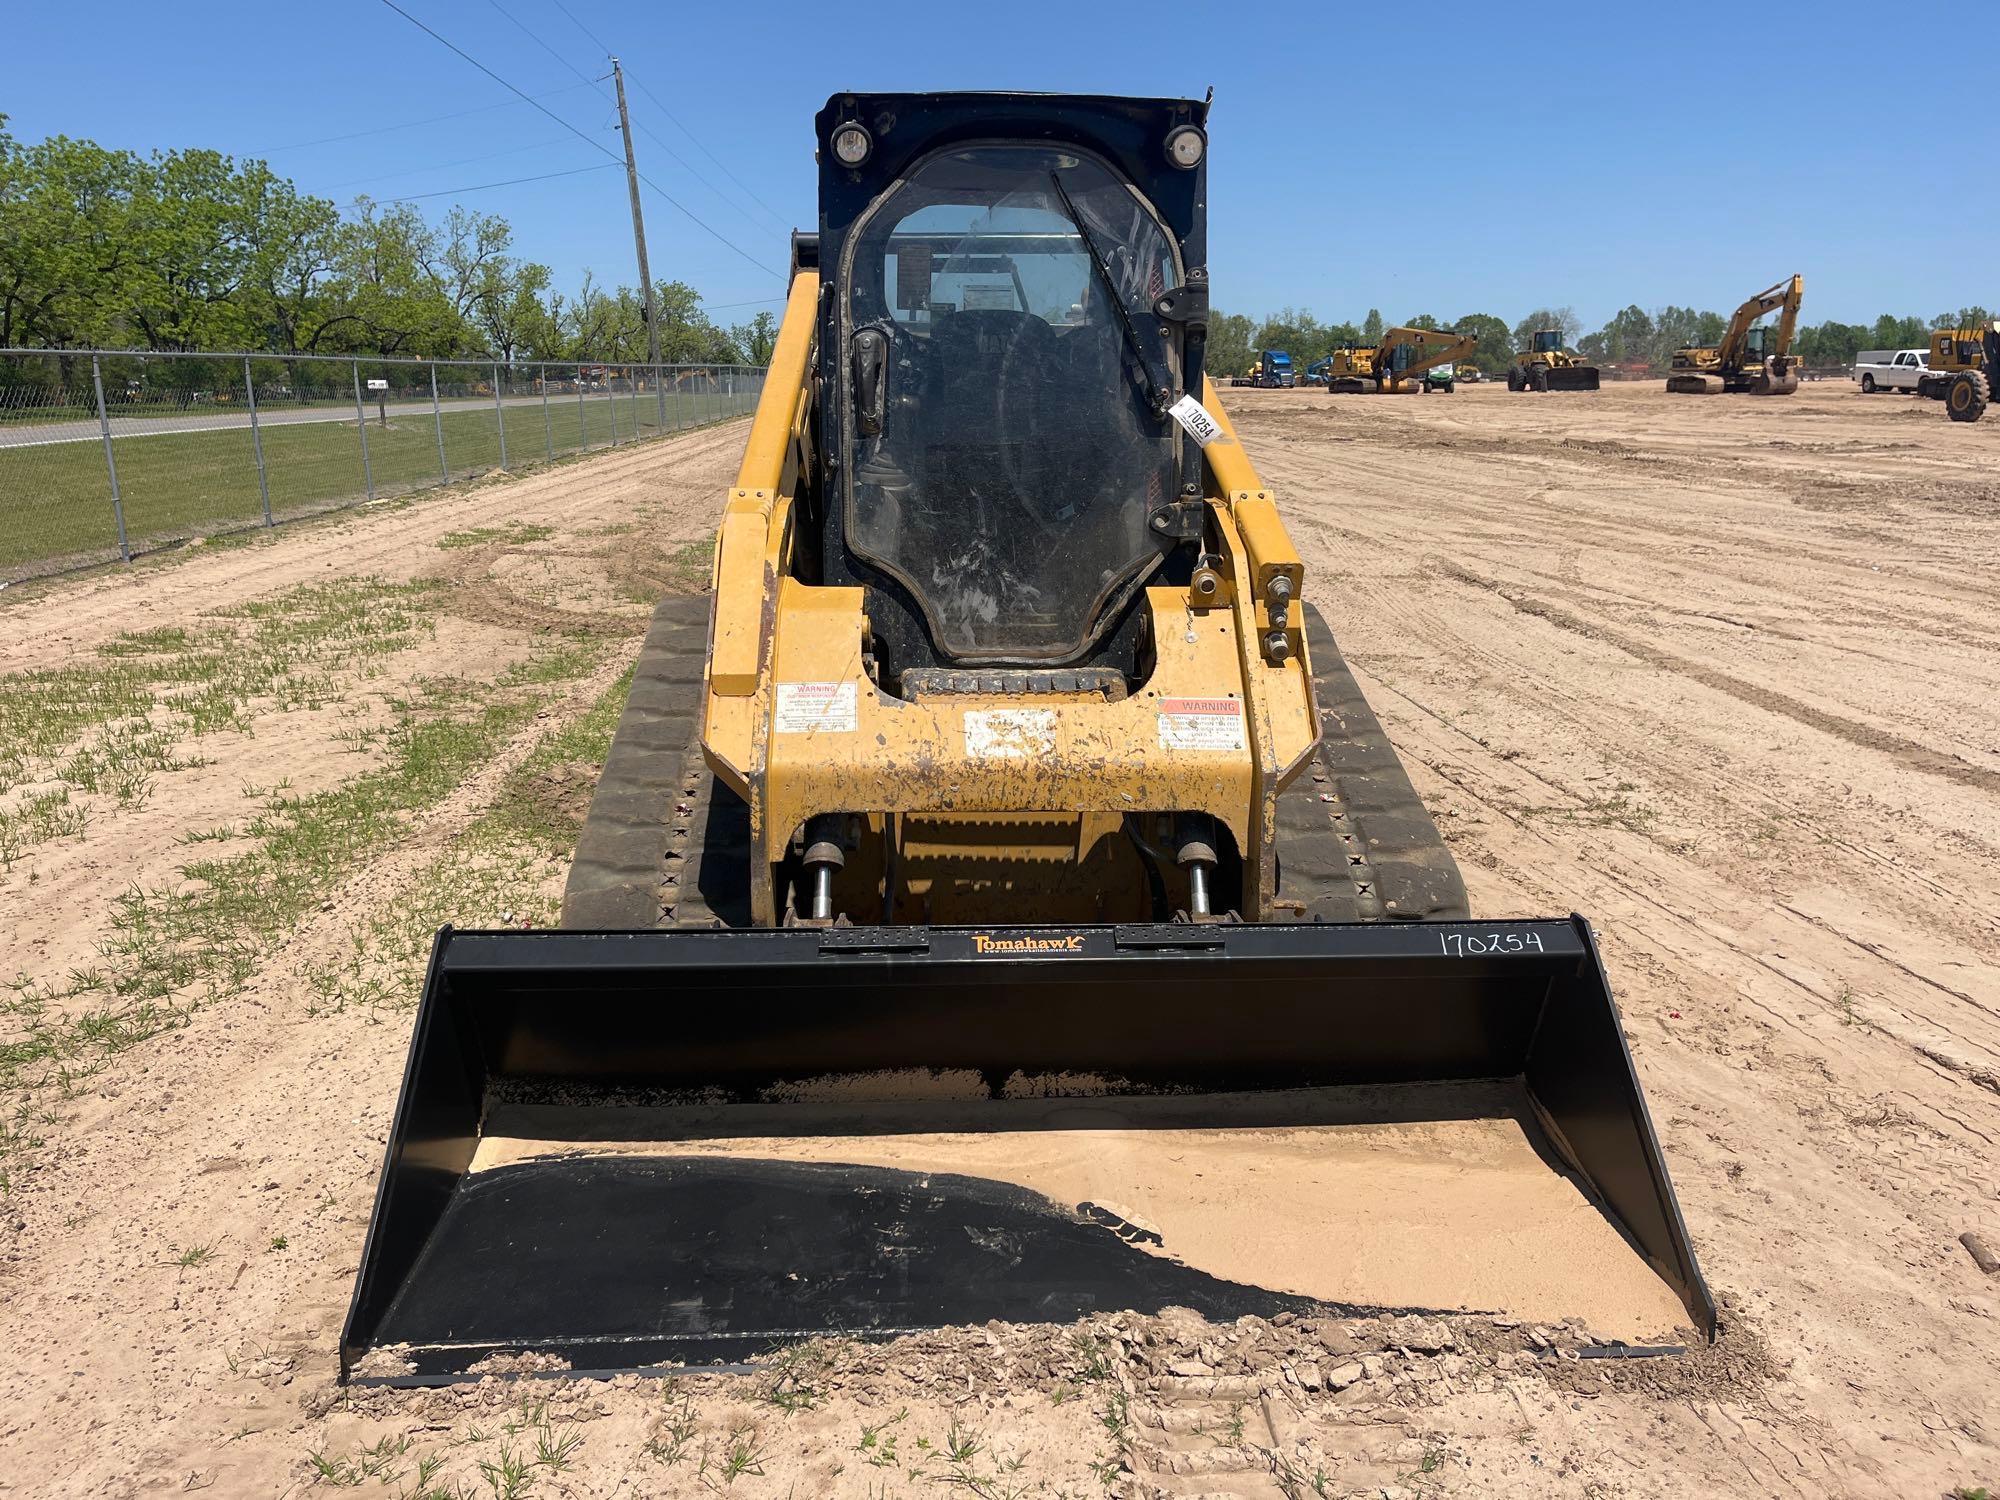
623, 1151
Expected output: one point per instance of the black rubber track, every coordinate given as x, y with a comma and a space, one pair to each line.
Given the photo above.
667, 845
1354, 841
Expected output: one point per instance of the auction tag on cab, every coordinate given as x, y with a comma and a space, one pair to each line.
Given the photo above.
1201, 724
1009, 733
809, 707
1195, 420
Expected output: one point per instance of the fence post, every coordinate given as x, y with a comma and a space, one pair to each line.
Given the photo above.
582, 416
257, 439
548, 431
611, 399
437, 416
361, 426
499, 416
660, 394
110, 460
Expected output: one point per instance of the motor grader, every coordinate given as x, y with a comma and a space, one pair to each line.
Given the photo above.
999, 864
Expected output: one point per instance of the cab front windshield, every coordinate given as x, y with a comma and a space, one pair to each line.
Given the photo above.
1019, 452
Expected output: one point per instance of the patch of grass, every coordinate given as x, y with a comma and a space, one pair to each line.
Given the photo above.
795, 1375
690, 569
375, 1461
107, 726
878, 1444
177, 484
513, 534
543, 802
677, 1428
36, 819
175, 947
279, 1242
194, 1255
741, 1455
553, 1449
1094, 1363
508, 1475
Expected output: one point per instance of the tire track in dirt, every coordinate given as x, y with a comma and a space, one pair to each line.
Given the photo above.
1809, 1000
1916, 757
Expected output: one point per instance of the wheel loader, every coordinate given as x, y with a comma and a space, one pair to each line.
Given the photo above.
1546, 366
1751, 359
999, 900
1961, 369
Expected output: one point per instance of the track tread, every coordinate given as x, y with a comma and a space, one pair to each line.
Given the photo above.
1355, 843
638, 863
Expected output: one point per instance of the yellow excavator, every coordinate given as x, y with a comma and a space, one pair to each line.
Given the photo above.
1545, 365
1396, 363
1752, 358
998, 889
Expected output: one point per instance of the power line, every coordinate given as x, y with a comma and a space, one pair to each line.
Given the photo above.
595, 83
529, 98
457, 114
595, 145
776, 217
582, 28
520, 27
463, 161
480, 187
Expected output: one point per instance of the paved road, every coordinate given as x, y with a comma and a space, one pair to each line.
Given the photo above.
45, 433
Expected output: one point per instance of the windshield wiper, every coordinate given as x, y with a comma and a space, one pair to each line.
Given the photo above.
1161, 397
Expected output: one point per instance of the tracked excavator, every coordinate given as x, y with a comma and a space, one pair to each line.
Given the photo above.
1397, 363
999, 896
1752, 358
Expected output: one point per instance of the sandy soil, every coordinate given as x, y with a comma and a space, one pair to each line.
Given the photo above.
1720, 674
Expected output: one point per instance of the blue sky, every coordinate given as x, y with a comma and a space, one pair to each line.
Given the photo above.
1439, 158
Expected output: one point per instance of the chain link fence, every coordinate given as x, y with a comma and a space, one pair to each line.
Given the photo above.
109, 454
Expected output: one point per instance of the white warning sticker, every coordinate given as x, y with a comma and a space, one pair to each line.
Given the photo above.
1195, 420
809, 707
1009, 733
1201, 724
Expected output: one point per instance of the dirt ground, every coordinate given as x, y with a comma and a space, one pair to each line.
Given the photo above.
1723, 675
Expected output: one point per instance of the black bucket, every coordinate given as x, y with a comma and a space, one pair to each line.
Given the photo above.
610, 1258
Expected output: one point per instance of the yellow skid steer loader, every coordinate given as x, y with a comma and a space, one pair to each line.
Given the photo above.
999, 900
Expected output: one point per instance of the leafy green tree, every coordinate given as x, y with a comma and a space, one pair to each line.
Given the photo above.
758, 338
1229, 343
1371, 326
67, 251
1563, 319
1495, 351
1892, 332
1422, 320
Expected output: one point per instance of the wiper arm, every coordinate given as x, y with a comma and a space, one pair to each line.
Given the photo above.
1155, 392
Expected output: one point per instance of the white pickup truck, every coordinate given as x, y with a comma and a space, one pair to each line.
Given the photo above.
1893, 370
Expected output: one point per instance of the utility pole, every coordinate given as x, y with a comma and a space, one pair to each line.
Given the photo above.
638, 224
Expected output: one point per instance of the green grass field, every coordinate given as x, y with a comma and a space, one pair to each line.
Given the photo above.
55, 499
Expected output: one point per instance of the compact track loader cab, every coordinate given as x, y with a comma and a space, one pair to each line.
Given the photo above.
1546, 366
1751, 359
999, 891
